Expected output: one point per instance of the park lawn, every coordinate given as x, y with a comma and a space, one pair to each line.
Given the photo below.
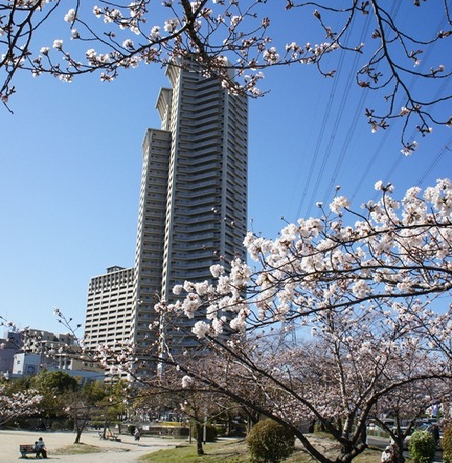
234, 451
76, 449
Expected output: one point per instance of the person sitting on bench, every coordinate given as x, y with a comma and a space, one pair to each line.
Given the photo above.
41, 449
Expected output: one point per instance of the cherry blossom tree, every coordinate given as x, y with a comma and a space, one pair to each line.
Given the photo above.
82, 404
340, 380
17, 404
396, 253
236, 41
368, 291
406, 407
370, 287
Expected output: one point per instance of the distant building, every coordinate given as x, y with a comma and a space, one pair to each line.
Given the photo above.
27, 364
8, 348
30, 364
30, 351
192, 207
38, 341
30, 341
108, 312
193, 200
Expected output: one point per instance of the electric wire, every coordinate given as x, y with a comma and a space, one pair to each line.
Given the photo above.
353, 123
323, 126
395, 165
435, 161
394, 12
393, 168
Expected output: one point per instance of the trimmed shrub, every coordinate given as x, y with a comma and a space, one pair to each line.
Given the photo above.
270, 442
422, 447
447, 444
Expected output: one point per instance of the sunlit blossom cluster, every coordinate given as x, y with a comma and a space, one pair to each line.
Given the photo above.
117, 359
232, 41
70, 16
337, 261
17, 404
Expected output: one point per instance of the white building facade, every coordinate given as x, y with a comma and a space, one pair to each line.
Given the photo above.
108, 313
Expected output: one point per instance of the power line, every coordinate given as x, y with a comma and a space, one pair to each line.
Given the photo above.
354, 122
435, 161
438, 92
323, 126
364, 32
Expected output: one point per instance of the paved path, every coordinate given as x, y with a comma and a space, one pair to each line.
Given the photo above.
126, 451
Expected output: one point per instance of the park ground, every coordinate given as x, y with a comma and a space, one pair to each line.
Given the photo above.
126, 451
59, 445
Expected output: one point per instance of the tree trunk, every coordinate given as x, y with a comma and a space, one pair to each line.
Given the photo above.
106, 426
78, 435
199, 435
398, 453
253, 418
363, 435
228, 425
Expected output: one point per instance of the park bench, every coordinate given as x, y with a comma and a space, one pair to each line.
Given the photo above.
27, 449
109, 436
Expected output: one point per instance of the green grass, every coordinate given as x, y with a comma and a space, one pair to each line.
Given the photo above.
76, 449
234, 452
369, 456
227, 452
171, 424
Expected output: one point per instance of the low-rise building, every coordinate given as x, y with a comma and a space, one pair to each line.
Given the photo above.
9, 346
29, 364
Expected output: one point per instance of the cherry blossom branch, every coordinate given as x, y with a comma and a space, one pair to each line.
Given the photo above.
231, 41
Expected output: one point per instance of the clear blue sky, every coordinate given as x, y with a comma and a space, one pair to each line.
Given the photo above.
70, 163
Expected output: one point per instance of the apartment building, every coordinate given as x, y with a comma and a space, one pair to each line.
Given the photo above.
192, 208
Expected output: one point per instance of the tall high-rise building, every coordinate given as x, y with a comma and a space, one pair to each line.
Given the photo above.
108, 310
193, 197
193, 201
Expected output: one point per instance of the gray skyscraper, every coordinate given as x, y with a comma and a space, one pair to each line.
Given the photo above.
193, 197
193, 201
